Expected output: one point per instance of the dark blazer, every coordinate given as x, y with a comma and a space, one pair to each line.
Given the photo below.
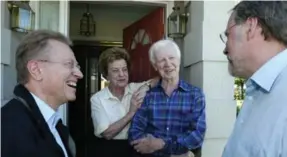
24, 131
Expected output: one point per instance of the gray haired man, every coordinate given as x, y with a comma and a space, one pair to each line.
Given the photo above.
47, 72
256, 39
171, 120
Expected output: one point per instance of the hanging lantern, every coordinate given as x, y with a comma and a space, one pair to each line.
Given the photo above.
177, 22
22, 17
87, 24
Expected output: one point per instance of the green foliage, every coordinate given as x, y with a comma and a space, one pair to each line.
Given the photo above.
238, 107
239, 91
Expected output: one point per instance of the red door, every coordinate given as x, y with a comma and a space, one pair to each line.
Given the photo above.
137, 39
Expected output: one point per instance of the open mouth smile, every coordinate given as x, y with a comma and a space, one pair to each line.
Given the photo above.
72, 84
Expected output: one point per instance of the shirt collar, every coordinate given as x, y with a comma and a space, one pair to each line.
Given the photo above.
49, 114
267, 74
108, 94
181, 85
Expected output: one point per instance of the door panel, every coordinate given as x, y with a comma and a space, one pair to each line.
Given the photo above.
79, 120
137, 39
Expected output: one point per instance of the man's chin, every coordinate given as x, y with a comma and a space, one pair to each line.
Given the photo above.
231, 72
230, 69
169, 77
234, 73
71, 98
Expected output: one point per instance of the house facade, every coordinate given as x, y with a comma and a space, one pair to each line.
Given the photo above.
203, 62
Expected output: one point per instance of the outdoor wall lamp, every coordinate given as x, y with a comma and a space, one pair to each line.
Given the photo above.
177, 22
22, 17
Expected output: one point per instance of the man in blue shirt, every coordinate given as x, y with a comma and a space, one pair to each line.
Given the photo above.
171, 120
256, 49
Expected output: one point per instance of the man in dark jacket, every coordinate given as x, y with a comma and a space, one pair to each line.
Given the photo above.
47, 73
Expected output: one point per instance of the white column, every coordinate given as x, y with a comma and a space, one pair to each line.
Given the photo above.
206, 67
35, 6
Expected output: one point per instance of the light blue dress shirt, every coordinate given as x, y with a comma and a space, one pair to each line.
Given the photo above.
261, 127
51, 117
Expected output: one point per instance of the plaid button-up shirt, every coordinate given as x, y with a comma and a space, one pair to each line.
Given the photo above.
179, 119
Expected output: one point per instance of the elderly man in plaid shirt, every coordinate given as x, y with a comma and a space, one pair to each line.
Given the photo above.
171, 120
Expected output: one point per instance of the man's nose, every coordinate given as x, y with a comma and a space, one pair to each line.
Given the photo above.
167, 62
225, 51
78, 73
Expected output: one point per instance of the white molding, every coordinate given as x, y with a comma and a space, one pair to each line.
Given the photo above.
64, 28
35, 5
64, 17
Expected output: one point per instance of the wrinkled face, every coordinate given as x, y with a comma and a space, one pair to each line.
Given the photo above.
118, 74
59, 72
167, 63
236, 48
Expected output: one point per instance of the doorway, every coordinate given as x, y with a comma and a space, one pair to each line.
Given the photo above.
111, 20
79, 111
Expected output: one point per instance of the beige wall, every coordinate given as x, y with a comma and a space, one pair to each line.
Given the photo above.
9, 42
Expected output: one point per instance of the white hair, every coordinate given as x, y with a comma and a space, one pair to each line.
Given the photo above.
160, 45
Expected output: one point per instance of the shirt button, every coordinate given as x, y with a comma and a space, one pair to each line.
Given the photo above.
167, 128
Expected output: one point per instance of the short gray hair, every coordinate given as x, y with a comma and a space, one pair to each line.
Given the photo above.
32, 46
271, 17
163, 44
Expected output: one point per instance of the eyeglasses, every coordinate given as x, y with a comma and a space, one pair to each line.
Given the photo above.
69, 64
224, 36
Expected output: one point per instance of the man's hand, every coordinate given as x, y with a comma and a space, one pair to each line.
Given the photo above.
148, 144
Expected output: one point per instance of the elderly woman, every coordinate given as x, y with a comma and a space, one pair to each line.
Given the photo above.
114, 106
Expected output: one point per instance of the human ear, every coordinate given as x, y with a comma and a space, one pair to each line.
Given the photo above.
252, 27
35, 70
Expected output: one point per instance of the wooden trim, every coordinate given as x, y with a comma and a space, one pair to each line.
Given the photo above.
99, 43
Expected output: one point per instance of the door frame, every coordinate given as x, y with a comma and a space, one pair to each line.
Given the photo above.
64, 11
64, 22
98, 43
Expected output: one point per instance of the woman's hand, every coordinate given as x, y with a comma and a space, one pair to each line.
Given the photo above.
119, 125
136, 101
154, 81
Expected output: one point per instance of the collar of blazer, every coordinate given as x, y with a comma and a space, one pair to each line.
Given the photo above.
24, 96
